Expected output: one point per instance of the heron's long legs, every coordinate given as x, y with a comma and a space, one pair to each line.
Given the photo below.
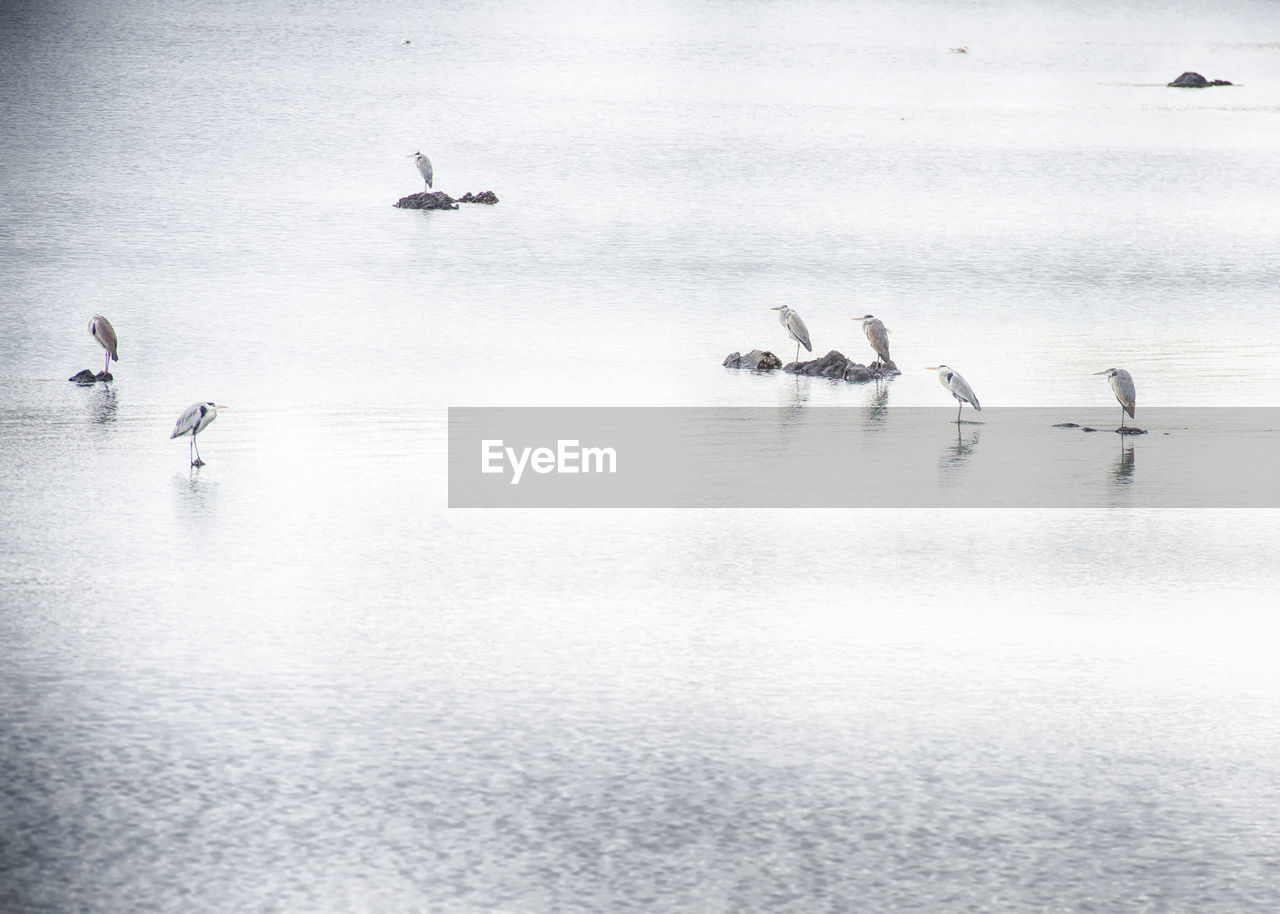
959, 406
107, 365
197, 462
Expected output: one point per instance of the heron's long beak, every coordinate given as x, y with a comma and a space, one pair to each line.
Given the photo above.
223, 406
779, 308
931, 368
1101, 372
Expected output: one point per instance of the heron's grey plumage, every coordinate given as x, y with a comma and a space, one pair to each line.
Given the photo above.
795, 328
424, 167
101, 330
877, 335
959, 387
1126, 393
194, 420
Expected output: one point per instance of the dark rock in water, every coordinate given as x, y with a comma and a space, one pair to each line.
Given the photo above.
835, 365
427, 200
1085, 428
104, 376
1125, 430
84, 376
1191, 80
1067, 425
755, 360
440, 200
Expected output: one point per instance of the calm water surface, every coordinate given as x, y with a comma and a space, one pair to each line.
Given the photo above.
294, 680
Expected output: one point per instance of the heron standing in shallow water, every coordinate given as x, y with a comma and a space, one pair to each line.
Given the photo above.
194, 420
958, 386
877, 336
795, 328
424, 166
1126, 393
101, 330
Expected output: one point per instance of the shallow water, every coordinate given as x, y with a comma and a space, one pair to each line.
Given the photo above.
296, 680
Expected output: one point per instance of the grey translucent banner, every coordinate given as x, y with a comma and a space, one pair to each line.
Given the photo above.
672, 457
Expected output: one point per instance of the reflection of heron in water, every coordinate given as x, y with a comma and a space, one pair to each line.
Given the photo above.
1123, 471
878, 406
104, 405
958, 453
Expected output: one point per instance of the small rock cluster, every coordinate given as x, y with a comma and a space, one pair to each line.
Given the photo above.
440, 200
1122, 430
833, 365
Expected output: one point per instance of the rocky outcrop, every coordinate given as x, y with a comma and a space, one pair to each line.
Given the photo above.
836, 365
755, 360
1191, 80
85, 376
1122, 430
438, 199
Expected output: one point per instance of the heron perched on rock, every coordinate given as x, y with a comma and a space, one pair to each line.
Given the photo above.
958, 386
877, 336
424, 166
1126, 393
795, 328
194, 420
101, 330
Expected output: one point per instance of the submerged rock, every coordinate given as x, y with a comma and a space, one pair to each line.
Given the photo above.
1191, 80
836, 365
755, 360
438, 199
1122, 430
85, 376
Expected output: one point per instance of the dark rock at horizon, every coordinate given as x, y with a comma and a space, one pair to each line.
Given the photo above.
1191, 80
438, 199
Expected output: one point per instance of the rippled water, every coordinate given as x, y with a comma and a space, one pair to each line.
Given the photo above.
295, 680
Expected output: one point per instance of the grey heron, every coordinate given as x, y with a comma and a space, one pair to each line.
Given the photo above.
795, 328
424, 166
877, 336
194, 420
1126, 393
958, 386
101, 330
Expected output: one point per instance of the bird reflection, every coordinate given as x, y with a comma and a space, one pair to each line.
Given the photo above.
795, 396
956, 454
1122, 473
192, 495
102, 405
877, 407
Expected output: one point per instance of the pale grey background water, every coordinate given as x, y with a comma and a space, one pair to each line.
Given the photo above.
296, 681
